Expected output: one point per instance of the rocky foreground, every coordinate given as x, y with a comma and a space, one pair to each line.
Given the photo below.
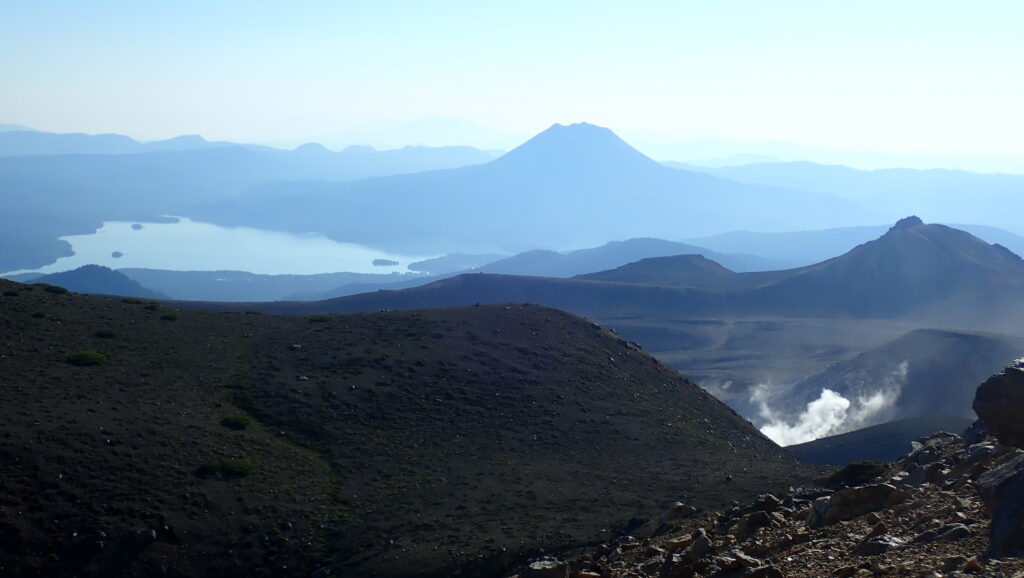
953, 506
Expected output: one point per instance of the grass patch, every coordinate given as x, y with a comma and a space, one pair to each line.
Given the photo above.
86, 358
250, 312
38, 315
152, 307
169, 316
236, 422
319, 318
229, 468
105, 334
10, 293
132, 301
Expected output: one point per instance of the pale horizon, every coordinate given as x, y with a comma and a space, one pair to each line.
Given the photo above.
908, 80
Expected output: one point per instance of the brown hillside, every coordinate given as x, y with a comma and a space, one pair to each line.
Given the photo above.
402, 444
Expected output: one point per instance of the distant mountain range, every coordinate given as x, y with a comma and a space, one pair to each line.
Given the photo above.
914, 271
48, 196
572, 185
19, 142
941, 195
243, 286
614, 254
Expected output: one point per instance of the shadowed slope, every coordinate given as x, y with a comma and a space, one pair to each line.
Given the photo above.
881, 443
403, 444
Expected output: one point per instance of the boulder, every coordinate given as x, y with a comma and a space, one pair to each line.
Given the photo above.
850, 503
679, 511
878, 545
748, 525
999, 402
546, 569
1002, 490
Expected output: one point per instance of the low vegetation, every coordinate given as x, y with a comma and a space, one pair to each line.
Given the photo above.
225, 468
87, 358
236, 422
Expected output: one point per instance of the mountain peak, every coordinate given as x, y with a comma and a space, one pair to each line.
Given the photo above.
311, 148
906, 223
579, 144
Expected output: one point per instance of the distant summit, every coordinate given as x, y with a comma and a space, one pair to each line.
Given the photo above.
312, 148
580, 145
679, 270
907, 222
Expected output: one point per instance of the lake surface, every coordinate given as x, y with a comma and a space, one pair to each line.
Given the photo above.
188, 245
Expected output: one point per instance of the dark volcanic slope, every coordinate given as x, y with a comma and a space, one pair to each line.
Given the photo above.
412, 444
884, 442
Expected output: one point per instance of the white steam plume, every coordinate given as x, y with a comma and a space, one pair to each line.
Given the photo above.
831, 413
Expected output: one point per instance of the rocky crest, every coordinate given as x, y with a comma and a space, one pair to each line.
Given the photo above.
998, 402
952, 506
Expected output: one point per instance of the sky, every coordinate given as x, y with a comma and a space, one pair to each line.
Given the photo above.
939, 78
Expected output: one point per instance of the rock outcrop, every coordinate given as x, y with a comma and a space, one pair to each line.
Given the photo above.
926, 514
999, 403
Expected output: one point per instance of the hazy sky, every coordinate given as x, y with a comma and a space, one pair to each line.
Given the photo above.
932, 76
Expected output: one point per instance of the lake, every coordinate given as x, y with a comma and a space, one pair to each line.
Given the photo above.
188, 245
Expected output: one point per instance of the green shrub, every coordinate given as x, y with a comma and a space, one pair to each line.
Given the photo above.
169, 316
251, 312
229, 468
86, 358
237, 422
319, 318
152, 307
105, 334
39, 315
132, 301
10, 293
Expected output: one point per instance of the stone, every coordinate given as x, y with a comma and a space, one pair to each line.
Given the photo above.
973, 565
701, 545
748, 525
878, 545
546, 569
850, 503
975, 433
953, 532
999, 403
677, 512
1002, 491
765, 572
766, 503
953, 563
679, 542
676, 566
